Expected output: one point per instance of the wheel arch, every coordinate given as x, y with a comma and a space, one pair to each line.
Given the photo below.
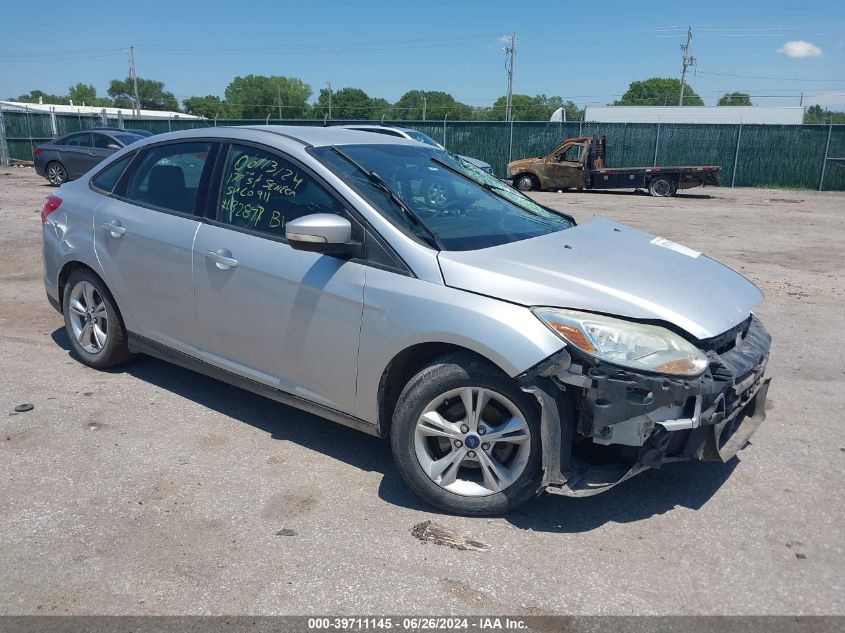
67, 270
531, 174
404, 365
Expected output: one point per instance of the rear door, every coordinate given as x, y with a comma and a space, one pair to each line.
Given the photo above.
76, 154
286, 318
144, 236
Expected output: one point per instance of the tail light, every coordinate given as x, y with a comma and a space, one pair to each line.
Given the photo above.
38, 151
51, 203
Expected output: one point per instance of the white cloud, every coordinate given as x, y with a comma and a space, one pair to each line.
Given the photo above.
800, 48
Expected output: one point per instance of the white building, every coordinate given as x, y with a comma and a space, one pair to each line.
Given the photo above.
55, 108
774, 115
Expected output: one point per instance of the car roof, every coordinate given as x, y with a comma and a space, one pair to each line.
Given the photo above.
376, 126
304, 135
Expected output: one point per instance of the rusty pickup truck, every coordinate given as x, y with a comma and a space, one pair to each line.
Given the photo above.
579, 163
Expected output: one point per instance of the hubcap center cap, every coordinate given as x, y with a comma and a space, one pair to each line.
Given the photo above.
472, 441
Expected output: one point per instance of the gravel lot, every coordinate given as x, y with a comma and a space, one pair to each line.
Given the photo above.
153, 490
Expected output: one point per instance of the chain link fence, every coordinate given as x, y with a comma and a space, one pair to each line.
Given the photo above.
790, 156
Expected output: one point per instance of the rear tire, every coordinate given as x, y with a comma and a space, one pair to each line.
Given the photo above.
55, 173
661, 187
93, 322
460, 458
526, 182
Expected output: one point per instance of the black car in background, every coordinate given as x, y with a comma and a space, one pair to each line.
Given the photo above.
68, 157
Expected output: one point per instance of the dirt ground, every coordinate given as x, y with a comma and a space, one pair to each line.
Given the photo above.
152, 490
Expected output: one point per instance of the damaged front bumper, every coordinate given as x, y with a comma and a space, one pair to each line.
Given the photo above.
603, 424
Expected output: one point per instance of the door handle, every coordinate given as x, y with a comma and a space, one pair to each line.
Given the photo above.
114, 229
92, 153
221, 260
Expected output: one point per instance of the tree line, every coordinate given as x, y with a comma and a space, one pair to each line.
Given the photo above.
279, 97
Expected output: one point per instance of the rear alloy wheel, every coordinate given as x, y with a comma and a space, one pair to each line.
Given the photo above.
56, 173
92, 321
525, 182
661, 188
466, 439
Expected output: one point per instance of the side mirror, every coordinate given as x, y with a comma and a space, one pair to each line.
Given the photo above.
321, 233
113, 146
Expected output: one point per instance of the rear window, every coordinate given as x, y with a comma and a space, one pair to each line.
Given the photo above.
169, 176
107, 179
79, 140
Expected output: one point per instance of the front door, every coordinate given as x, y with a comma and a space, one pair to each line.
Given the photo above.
289, 319
565, 168
144, 240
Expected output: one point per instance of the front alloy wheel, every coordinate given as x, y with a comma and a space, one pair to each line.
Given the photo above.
526, 183
466, 438
472, 442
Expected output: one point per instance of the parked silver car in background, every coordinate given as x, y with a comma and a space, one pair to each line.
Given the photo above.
414, 135
504, 349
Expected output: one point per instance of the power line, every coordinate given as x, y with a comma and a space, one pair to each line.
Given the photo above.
701, 72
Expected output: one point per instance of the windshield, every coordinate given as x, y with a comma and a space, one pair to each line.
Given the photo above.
423, 138
490, 181
435, 204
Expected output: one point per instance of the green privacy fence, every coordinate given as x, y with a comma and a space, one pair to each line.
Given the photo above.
801, 156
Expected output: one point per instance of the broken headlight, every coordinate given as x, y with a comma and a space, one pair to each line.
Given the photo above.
636, 345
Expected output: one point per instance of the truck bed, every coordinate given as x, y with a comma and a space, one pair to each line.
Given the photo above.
637, 177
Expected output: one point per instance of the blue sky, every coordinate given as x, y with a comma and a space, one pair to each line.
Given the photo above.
588, 52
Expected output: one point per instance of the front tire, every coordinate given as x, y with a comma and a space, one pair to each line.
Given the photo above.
56, 173
466, 439
93, 322
526, 182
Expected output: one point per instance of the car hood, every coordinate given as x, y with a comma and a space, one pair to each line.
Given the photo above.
475, 161
516, 166
603, 266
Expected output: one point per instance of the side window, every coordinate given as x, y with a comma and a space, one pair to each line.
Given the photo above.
101, 141
169, 176
263, 192
79, 140
107, 179
572, 153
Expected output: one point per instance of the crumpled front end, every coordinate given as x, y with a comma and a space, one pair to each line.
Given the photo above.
603, 424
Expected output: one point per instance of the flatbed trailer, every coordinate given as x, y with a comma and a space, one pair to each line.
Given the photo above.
579, 163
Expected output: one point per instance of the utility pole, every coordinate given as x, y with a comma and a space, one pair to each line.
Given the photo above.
689, 60
329, 84
279, 88
425, 104
133, 74
510, 53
